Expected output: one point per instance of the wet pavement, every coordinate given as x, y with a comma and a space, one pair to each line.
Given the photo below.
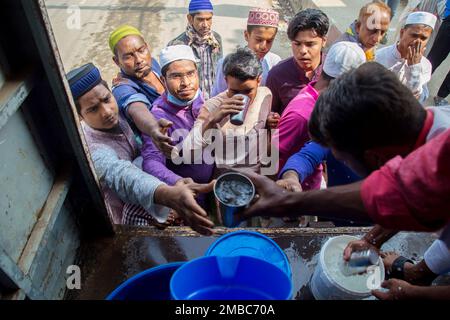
107, 262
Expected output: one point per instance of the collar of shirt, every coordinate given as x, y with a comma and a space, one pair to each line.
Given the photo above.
311, 90
396, 53
134, 82
174, 109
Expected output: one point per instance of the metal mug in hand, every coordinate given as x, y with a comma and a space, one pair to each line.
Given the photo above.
238, 119
234, 192
360, 261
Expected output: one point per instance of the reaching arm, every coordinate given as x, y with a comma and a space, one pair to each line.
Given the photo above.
147, 124
154, 162
129, 182
306, 160
342, 202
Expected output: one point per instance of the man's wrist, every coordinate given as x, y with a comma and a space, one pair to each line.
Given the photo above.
161, 195
414, 292
290, 174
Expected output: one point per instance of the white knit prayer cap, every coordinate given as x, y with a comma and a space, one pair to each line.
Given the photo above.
174, 53
421, 17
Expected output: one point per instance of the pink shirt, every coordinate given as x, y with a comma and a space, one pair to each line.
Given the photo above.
293, 130
412, 193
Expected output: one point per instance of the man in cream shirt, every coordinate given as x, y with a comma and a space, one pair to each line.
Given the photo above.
406, 57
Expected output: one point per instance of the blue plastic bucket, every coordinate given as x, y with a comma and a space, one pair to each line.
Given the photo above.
252, 244
230, 278
151, 284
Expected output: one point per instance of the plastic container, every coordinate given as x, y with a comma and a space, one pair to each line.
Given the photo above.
252, 244
230, 278
151, 284
329, 283
228, 209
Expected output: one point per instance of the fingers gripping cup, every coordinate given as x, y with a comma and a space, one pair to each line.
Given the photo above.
234, 192
238, 119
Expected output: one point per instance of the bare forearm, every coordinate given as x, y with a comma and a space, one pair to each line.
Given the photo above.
143, 118
429, 293
343, 202
379, 235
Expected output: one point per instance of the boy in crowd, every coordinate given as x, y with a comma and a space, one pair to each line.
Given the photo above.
307, 32
243, 74
262, 28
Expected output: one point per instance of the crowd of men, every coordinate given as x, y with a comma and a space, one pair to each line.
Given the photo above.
163, 132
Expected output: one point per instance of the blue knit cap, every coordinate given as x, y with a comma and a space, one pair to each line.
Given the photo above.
83, 79
199, 6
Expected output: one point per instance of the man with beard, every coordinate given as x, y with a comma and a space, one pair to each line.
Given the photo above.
181, 104
206, 43
138, 84
406, 59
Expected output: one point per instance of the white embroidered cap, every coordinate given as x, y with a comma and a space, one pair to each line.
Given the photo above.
174, 53
342, 57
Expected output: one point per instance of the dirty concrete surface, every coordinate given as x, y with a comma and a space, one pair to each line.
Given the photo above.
108, 262
159, 21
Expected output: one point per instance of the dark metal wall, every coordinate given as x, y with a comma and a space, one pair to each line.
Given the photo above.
49, 195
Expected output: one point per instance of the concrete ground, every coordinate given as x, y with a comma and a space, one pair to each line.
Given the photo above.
159, 21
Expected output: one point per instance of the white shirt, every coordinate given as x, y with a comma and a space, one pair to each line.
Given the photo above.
415, 77
269, 60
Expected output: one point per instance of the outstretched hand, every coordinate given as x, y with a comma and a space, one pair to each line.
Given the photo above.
160, 138
290, 182
181, 198
269, 199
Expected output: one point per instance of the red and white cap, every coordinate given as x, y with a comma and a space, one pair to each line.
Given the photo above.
263, 17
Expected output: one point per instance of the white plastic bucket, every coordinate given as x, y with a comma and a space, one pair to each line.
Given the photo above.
326, 282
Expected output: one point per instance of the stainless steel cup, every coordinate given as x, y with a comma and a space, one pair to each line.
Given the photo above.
238, 119
228, 207
360, 261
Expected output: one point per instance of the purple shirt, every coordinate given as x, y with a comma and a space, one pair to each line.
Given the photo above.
155, 163
285, 80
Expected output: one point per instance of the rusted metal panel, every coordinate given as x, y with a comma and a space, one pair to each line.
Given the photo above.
41, 29
12, 94
46, 219
26, 182
10, 269
56, 252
